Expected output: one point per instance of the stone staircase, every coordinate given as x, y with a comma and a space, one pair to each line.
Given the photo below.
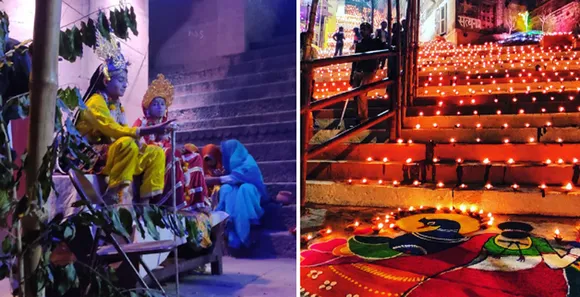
250, 97
496, 127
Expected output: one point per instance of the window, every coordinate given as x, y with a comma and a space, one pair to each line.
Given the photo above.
441, 20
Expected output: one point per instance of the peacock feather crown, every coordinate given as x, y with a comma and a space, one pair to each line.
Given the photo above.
160, 87
110, 52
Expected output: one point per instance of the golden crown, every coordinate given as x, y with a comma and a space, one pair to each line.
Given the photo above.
160, 87
110, 52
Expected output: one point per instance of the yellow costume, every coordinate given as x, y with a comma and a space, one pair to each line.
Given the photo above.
104, 125
124, 157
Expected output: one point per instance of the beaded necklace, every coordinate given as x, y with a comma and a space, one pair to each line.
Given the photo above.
116, 109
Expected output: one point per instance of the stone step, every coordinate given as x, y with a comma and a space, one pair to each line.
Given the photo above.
276, 50
272, 243
498, 200
278, 171
276, 41
399, 153
279, 217
510, 88
329, 119
187, 75
270, 151
276, 89
459, 135
267, 132
443, 171
274, 188
375, 151
273, 151
495, 109
537, 97
492, 135
237, 82
497, 121
234, 109
270, 117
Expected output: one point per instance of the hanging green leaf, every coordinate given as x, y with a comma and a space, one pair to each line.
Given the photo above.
151, 228
5, 205
7, 245
132, 23
113, 21
64, 47
4, 271
21, 209
121, 24
103, 25
88, 32
71, 45
77, 41
126, 219
71, 97
116, 221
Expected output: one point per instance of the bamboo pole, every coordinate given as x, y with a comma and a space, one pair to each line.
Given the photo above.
306, 122
43, 88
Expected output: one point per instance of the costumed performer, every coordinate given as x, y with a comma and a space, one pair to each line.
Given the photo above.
103, 123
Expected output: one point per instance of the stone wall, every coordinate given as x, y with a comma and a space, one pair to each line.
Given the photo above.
197, 31
21, 13
200, 31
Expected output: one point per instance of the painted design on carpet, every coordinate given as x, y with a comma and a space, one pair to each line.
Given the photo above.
437, 258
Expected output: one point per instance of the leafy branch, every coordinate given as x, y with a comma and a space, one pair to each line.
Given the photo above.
119, 22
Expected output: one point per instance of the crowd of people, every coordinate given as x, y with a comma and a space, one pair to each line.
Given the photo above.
222, 177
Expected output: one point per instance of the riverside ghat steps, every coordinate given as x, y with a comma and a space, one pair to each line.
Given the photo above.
250, 97
493, 126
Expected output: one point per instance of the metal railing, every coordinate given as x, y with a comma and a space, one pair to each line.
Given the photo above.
407, 47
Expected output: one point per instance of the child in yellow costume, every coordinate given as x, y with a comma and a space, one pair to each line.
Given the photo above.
104, 125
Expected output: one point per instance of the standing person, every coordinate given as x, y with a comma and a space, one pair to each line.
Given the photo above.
382, 36
339, 38
357, 37
363, 72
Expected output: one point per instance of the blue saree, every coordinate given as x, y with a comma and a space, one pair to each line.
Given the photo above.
241, 199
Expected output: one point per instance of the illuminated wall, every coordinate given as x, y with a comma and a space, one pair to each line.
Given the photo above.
136, 49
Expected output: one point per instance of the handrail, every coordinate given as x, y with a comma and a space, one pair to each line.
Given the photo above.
320, 104
347, 59
318, 149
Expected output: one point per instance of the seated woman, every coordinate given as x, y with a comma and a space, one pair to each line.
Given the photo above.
104, 125
190, 188
241, 187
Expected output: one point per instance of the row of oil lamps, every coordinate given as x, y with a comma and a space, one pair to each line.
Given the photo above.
388, 222
378, 224
543, 187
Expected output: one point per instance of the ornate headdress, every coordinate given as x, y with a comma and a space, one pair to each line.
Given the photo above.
110, 52
160, 87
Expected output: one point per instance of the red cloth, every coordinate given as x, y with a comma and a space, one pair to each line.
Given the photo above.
191, 188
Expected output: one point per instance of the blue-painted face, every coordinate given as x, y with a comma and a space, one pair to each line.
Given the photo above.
117, 85
157, 108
